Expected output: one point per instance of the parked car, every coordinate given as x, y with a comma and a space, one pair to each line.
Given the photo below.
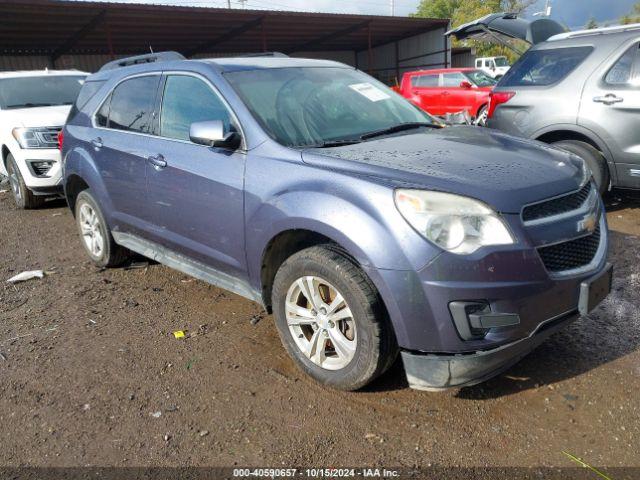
579, 91
449, 90
359, 221
494, 67
33, 108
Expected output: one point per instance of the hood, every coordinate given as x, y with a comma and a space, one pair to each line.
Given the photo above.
503, 171
39, 116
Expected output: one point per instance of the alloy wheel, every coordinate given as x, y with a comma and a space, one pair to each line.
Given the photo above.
321, 323
90, 229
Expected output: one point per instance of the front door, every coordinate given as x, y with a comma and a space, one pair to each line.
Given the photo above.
611, 107
120, 149
197, 192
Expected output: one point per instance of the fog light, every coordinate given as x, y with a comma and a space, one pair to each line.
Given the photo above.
40, 168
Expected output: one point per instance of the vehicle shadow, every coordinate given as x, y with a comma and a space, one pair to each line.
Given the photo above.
621, 199
608, 333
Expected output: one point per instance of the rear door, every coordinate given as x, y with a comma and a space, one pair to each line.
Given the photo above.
611, 107
196, 191
427, 93
121, 146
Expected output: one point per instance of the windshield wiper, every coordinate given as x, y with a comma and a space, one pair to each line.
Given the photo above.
399, 128
30, 105
336, 143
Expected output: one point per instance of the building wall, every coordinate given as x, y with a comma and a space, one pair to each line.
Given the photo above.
465, 59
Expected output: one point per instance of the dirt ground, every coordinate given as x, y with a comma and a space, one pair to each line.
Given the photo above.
91, 375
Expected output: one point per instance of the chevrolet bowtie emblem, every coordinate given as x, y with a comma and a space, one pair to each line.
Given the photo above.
588, 223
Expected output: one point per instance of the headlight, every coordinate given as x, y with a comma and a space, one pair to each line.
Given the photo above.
45, 137
457, 224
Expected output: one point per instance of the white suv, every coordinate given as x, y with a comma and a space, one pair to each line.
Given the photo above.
495, 67
33, 108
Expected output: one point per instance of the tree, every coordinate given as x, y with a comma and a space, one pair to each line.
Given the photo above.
591, 24
460, 12
633, 16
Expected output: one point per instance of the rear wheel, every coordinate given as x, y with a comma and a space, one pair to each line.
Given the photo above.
23, 197
95, 234
481, 118
331, 319
592, 157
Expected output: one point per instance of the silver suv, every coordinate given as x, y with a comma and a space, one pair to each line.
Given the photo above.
576, 90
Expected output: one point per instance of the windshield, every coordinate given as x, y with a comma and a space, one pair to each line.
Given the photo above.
311, 106
502, 62
44, 91
481, 79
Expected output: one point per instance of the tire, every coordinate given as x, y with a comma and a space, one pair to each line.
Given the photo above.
360, 324
481, 118
94, 231
592, 157
23, 197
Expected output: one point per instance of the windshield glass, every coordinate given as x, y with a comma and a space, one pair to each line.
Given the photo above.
44, 91
502, 62
307, 106
479, 78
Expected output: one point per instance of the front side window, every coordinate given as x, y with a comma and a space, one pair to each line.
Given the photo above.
188, 100
481, 79
310, 106
41, 91
453, 79
626, 71
425, 81
131, 105
502, 62
545, 67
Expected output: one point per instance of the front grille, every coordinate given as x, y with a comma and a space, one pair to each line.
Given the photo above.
556, 206
572, 254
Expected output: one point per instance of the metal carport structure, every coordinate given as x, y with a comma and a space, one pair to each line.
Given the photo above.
84, 35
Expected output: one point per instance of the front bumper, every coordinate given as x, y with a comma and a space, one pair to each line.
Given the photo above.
48, 184
438, 372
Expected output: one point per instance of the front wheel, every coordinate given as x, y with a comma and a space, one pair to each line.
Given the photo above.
331, 320
481, 118
23, 197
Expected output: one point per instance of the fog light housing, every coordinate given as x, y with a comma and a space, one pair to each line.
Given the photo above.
40, 168
473, 320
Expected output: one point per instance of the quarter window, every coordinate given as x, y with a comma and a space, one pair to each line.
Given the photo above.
187, 100
131, 105
626, 71
425, 81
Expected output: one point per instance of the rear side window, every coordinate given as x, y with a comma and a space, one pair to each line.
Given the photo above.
131, 105
425, 81
544, 67
188, 100
626, 71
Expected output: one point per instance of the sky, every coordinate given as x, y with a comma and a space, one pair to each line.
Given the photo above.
574, 13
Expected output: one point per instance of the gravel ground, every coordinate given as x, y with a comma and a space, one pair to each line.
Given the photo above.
91, 375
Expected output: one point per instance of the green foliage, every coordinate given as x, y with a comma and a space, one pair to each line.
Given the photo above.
465, 11
633, 16
591, 24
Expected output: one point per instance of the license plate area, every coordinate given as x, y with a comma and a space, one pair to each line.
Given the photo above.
595, 290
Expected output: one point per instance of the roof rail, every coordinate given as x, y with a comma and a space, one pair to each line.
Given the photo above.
595, 31
140, 59
265, 54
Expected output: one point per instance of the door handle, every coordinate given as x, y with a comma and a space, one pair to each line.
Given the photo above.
97, 142
608, 99
157, 161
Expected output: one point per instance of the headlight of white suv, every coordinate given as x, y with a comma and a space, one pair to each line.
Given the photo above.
44, 137
455, 223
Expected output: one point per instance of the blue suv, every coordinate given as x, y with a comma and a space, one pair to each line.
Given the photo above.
361, 222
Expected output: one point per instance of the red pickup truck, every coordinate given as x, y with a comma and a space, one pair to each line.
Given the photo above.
449, 91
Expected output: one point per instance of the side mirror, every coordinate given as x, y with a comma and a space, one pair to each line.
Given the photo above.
465, 84
212, 133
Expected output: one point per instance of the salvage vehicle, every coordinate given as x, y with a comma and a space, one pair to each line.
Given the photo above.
450, 90
362, 223
579, 91
494, 67
33, 108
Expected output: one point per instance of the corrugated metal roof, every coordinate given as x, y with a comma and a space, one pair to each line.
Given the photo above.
55, 28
